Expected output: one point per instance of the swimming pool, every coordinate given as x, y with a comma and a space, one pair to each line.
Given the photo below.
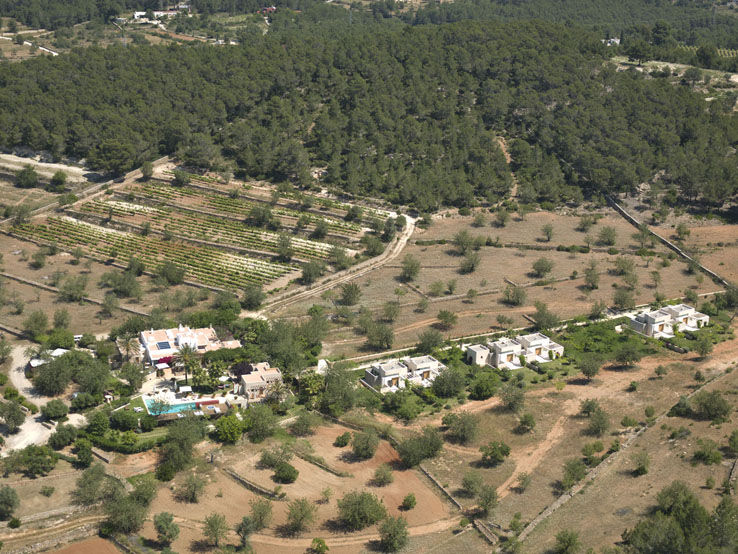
172, 408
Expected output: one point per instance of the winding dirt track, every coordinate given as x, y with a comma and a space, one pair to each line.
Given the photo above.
390, 253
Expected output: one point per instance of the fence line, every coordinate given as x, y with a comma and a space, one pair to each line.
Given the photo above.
666, 242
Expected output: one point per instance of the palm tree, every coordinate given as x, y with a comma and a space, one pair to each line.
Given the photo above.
129, 346
185, 356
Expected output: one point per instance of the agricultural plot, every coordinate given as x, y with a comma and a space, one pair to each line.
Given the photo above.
206, 265
210, 228
238, 207
519, 245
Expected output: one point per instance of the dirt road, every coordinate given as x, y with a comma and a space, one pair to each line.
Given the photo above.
332, 281
16, 163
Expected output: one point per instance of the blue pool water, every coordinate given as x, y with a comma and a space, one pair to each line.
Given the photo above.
173, 408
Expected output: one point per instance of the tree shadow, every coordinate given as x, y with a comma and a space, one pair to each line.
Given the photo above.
201, 545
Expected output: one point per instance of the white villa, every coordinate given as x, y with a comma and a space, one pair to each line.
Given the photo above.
162, 345
660, 323
256, 382
392, 376
505, 353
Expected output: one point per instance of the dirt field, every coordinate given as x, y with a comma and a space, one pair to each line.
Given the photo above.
567, 298
62, 478
222, 494
86, 316
559, 435
670, 460
94, 545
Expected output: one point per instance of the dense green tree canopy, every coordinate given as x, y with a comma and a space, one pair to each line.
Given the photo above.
408, 113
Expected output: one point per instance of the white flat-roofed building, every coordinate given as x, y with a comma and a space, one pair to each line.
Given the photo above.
164, 344
660, 323
477, 354
539, 348
386, 377
422, 370
505, 354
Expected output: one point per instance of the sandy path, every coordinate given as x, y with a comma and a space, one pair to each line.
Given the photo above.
47, 169
389, 253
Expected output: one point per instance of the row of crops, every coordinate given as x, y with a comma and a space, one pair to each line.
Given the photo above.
190, 225
205, 265
722, 52
323, 201
235, 207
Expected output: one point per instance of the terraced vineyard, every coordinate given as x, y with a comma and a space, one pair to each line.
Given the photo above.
210, 228
323, 201
160, 193
202, 264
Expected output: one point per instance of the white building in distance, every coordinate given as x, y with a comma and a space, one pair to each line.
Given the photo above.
393, 375
506, 353
660, 323
161, 345
256, 383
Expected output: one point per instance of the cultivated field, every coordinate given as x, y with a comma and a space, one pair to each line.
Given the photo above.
206, 228
85, 317
522, 243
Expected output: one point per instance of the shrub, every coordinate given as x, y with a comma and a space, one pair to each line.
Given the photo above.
54, 409
383, 475
342, 440
642, 461
708, 452
285, 473
408, 503
47, 491
358, 510
472, 483
711, 405
463, 427
494, 453
190, 490
64, 435
393, 534
14, 523
300, 515
574, 471
364, 445
417, 448
9, 501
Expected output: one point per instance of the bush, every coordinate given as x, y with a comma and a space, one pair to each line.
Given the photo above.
190, 490
304, 424
417, 448
285, 473
574, 471
472, 483
463, 427
708, 452
393, 534
63, 436
9, 501
383, 475
494, 453
165, 472
358, 510
711, 405
342, 440
14, 523
54, 409
408, 503
364, 445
